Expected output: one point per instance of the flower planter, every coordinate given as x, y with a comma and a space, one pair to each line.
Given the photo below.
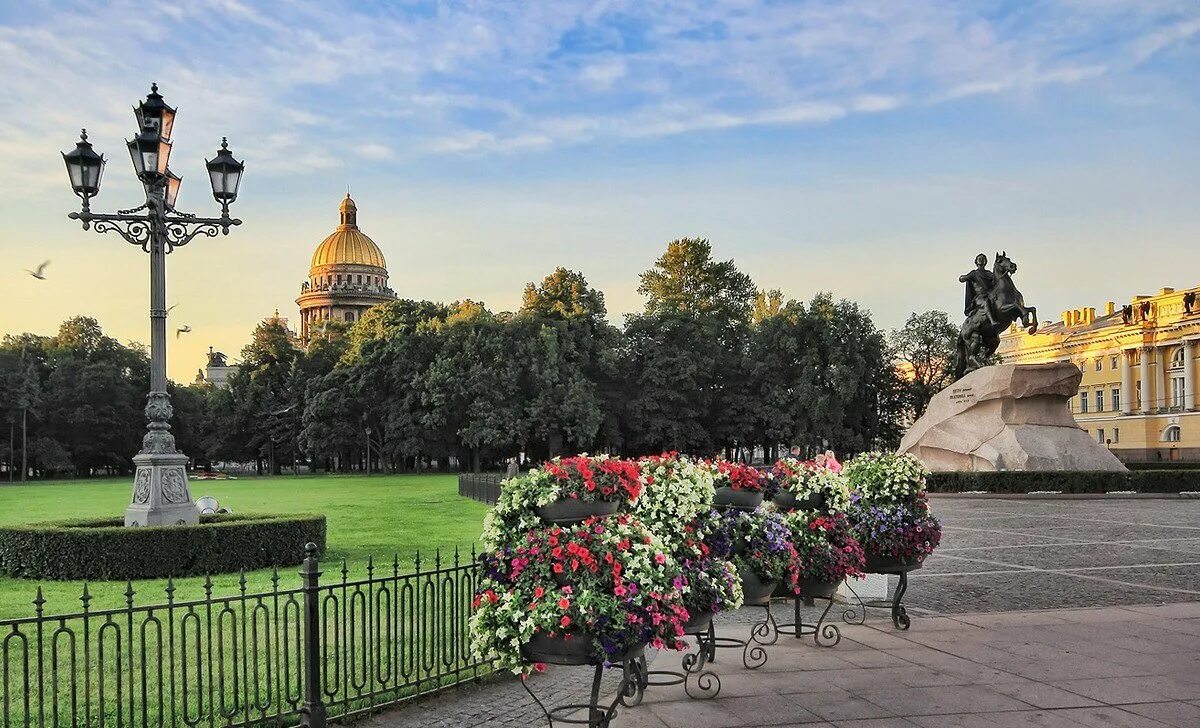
755, 590
698, 622
782, 592
812, 589
575, 649
567, 511
787, 501
890, 564
729, 497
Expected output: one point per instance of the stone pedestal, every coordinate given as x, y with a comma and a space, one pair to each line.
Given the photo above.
868, 588
1007, 417
161, 496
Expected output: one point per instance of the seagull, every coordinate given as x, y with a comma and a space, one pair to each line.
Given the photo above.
185, 330
171, 307
40, 272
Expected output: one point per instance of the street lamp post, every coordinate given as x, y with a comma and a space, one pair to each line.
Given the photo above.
160, 486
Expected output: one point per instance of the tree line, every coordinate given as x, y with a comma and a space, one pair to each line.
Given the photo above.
710, 365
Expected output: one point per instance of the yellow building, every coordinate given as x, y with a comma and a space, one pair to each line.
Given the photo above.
347, 276
1138, 393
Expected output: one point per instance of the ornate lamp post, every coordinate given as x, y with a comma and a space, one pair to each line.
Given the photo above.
160, 488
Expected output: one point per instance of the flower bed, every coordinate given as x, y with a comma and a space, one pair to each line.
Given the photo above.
623, 591
828, 551
757, 542
889, 510
811, 486
677, 491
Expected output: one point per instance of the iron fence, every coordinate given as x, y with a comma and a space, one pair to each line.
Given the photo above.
483, 487
301, 656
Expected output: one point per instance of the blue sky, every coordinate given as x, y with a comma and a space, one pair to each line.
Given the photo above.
867, 148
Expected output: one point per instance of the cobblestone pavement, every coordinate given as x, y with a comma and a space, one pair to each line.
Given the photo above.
996, 555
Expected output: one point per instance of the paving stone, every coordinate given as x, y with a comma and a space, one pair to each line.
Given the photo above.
1178, 714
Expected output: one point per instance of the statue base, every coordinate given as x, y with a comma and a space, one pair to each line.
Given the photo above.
1007, 417
161, 496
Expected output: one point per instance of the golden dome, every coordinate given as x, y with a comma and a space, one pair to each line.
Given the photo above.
348, 245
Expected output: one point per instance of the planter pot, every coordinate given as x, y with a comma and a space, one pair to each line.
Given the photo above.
698, 622
789, 502
567, 511
782, 591
742, 500
890, 564
755, 590
563, 650
811, 589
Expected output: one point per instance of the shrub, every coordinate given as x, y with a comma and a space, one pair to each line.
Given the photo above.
1013, 481
105, 549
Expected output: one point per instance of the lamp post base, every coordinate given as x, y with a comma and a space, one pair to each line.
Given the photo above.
161, 496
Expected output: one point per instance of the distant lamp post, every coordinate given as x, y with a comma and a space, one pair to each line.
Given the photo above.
160, 487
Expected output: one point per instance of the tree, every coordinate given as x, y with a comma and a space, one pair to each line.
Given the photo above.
925, 348
686, 353
570, 350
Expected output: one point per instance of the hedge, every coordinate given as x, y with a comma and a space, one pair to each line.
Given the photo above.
1013, 481
1165, 465
105, 549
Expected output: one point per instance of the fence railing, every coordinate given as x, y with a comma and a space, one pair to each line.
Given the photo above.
325, 650
483, 487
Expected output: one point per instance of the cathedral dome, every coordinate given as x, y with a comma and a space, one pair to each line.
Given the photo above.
348, 245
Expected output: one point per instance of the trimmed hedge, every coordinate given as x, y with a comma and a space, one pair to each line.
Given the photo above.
1165, 465
105, 549
1012, 481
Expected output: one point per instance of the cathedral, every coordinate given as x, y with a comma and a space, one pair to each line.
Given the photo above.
348, 275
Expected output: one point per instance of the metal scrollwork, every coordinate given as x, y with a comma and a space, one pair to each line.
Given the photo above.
136, 232
181, 232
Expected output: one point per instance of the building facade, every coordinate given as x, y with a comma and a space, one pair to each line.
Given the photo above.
347, 276
1138, 393
216, 370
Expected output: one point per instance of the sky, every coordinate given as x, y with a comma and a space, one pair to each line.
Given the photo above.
867, 148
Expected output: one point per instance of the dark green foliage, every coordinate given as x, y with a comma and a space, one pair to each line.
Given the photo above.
1011, 481
104, 549
1165, 465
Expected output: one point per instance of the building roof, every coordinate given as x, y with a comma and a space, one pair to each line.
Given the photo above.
348, 245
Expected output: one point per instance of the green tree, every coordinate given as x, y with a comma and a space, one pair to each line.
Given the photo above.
925, 347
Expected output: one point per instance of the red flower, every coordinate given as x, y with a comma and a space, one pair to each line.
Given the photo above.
564, 604
565, 621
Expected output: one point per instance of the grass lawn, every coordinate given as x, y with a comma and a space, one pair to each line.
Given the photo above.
380, 516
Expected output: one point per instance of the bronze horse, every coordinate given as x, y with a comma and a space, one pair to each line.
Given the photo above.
994, 310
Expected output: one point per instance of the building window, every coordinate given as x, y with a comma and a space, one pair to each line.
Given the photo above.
1114, 362
1177, 391
1116, 400
1099, 400
1083, 402
360, 279
339, 278
350, 316
1177, 359
1099, 364
1171, 434
1116, 435
1100, 436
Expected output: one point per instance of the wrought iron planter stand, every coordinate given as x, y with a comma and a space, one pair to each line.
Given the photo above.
762, 634
698, 683
900, 619
597, 714
824, 634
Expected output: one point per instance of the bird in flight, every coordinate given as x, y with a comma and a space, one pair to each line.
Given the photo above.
40, 273
185, 330
173, 305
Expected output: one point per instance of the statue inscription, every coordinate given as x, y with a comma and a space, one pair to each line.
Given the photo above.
962, 395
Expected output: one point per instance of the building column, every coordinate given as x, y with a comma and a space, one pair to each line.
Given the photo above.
1189, 376
1126, 383
1147, 397
1162, 396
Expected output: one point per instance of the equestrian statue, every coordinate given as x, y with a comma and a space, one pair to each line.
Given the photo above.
993, 303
